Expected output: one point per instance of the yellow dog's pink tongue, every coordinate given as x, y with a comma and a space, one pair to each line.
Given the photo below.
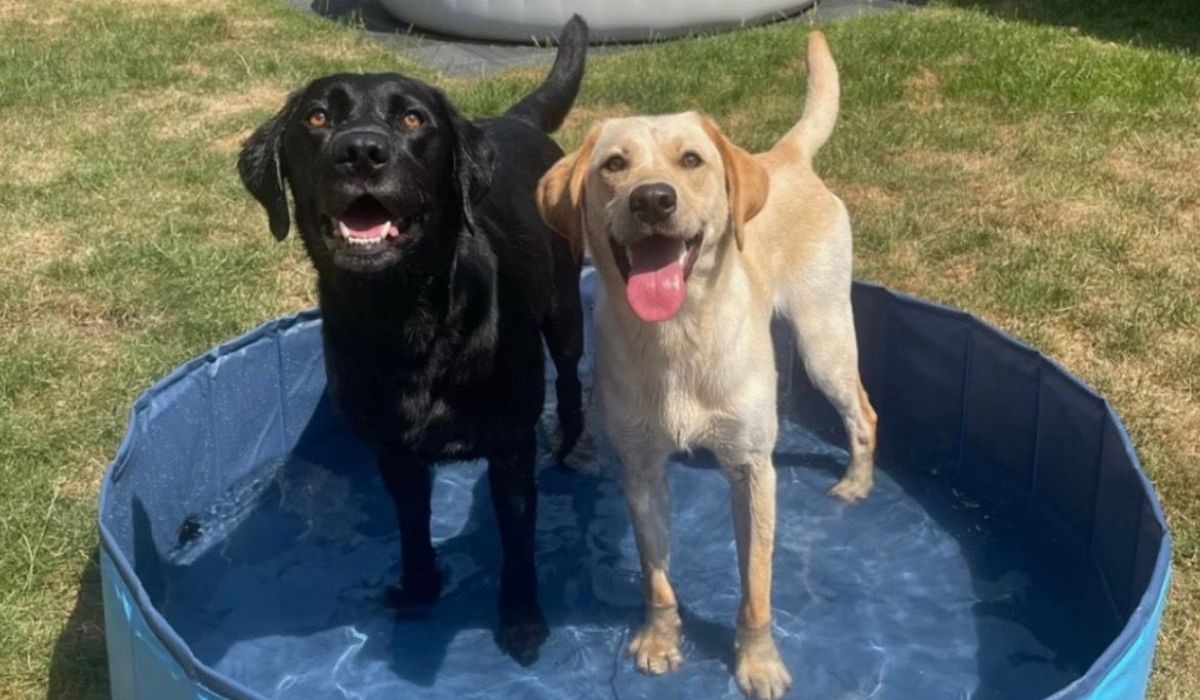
656, 288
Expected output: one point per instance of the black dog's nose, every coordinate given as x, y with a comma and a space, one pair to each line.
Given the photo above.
363, 152
653, 203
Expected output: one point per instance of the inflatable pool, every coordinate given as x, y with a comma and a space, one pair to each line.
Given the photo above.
608, 20
1012, 548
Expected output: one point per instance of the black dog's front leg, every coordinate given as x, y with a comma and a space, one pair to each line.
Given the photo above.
410, 483
563, 330
514, 496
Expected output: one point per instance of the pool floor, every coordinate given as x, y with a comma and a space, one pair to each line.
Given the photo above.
916, 593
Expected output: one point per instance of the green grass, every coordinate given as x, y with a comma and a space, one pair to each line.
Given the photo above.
1032, 162
1168, 24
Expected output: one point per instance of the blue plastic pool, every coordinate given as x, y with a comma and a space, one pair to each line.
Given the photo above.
1012, 548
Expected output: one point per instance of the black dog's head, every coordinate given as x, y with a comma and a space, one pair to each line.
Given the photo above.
380, 166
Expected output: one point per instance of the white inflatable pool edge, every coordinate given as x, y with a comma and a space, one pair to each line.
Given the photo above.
529, 21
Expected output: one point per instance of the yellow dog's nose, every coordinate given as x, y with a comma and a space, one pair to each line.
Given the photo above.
653, 203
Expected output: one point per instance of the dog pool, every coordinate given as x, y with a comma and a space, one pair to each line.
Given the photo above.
1012, 547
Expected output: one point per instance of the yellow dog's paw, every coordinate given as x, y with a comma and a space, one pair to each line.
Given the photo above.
655, 648
760, 672
852, 489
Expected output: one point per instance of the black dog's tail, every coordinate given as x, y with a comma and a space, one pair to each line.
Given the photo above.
547, 106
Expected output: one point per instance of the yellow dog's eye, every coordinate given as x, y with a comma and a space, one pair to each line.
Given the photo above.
411, 120
691, 160
318, 118
614, 164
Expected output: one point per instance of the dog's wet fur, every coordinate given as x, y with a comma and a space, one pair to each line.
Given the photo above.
437, 283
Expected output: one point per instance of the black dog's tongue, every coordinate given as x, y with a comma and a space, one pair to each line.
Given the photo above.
364, 226
366, 220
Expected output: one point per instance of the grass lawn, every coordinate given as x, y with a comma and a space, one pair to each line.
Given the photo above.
1031, 161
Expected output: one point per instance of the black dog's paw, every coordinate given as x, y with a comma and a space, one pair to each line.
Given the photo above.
415, 590
584, 456
570, 427
522, 633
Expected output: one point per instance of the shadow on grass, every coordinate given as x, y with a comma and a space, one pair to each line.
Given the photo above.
1170, 24
79, 667
369, 14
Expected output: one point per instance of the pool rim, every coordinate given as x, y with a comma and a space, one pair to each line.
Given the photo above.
1126, 645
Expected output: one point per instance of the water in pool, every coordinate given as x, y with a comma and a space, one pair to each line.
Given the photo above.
916, 593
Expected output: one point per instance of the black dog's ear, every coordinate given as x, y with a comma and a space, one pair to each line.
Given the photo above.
474, 162
261, 167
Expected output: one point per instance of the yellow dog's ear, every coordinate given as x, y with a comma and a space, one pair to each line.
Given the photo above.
560, 192
746, 180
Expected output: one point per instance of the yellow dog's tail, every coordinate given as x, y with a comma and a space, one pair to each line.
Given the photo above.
820, 103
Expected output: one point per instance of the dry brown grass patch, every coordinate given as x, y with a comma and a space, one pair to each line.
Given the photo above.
295, 281
254, 97
39, 14
907, 267
1177, 673
72, 314
230, 143
1075, 212
1178, 360
184, 8
1167, 230
975, 162
185, 115
243, 28
960, 272
346, 48
923, 90
81, 486
734, 122
37, 166
1165, 163
996, 196
78, 313
580, 119
201, 5
82, 483
25, 249
1187, 215
862, 195
197, 69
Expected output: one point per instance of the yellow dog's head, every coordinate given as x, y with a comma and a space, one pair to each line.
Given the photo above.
655, 199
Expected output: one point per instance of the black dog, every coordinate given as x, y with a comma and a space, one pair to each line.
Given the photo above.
437, 281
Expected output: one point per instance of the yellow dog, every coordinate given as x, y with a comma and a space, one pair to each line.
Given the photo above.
697, 244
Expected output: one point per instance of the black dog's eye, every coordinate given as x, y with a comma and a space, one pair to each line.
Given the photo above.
691, 159
411, 119
614, 164
318, 118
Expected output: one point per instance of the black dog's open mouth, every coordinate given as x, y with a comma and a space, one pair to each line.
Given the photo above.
367, 222
656, 269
